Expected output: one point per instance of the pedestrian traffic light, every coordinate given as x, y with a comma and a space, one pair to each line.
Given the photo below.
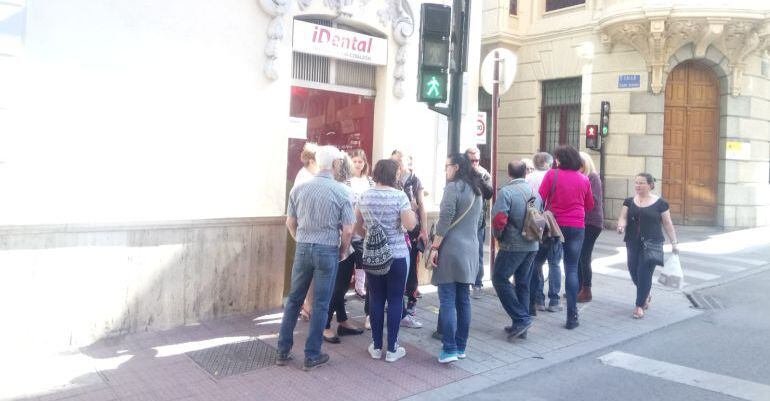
593, 140
604, 120
435, 23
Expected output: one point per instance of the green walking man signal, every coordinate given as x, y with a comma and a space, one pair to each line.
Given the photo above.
434, 53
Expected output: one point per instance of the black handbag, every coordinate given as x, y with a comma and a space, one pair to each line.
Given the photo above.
652, 252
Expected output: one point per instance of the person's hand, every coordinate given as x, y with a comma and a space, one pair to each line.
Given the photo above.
434, 258
674, 249
621, 229
423, 236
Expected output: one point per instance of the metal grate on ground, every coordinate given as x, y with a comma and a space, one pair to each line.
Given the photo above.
703, 301
236, 358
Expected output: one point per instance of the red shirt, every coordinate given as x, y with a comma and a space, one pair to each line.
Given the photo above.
572, 197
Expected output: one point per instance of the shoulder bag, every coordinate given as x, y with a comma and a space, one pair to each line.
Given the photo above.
552, 229
652, 250
431, 251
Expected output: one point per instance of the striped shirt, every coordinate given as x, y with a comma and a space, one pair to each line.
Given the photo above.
384, 206
321, 206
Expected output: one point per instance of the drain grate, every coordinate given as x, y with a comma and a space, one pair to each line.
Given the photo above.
236, 358
702, 301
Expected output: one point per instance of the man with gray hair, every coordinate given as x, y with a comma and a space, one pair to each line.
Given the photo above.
317, 209
550, 250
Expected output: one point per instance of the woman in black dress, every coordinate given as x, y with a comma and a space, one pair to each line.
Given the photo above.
644, 216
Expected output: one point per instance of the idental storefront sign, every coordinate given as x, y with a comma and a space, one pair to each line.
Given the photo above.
337, 43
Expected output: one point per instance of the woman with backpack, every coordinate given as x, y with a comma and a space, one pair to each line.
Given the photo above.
382, 216
567, 194
455, 256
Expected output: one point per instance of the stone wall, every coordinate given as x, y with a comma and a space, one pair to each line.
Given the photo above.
67, 286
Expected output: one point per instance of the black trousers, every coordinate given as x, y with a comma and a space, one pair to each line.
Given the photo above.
584, 264
411, 279
341, 285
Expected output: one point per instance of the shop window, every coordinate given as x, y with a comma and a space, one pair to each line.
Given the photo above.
560, 114
551, 5
513, 6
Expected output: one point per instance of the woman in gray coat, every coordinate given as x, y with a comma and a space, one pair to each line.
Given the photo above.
456, 258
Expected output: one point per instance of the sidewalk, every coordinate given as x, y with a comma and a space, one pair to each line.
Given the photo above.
160, 366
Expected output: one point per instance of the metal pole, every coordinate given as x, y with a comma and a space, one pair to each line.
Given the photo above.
460, 15
602, 159
493, 150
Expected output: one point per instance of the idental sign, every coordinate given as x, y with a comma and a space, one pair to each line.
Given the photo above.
338, 43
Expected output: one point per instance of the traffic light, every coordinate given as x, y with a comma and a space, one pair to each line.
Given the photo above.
435, 23
604, 120
593, 140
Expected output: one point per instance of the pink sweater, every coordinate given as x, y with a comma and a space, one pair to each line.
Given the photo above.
572, 197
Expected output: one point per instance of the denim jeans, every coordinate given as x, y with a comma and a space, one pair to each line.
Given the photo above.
573, 243
552, 253
316, 263
387, 288
641, 274
515, 298
455, 315
482, 233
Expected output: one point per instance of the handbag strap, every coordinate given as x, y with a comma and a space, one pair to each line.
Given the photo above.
454, 223
526, 203
553, 189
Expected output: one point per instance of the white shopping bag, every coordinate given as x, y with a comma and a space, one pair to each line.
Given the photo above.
671, 275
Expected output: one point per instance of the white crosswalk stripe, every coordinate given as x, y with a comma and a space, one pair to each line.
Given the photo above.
722, 384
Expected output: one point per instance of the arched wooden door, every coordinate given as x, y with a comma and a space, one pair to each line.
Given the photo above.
690, 144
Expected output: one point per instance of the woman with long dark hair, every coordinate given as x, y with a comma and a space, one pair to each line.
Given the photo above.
456, 260
567, 194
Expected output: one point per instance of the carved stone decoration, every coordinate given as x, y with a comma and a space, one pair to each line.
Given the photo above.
399, 14
657, 39
276, 9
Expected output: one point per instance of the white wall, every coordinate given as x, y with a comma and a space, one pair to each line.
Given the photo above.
142, 110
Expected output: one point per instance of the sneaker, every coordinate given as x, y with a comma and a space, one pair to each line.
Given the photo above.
394, 356
437, 336
446, 357
375, 353
554, 308
314, 363
517, 330
509, 330
540, 307
476, 294
410, 322
461, 354
367, 323
283, 358
572, 323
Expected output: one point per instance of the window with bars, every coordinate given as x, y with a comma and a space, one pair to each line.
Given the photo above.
551, 5
560, 114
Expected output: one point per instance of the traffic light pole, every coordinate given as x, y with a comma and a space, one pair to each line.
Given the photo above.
457, 67
493, 151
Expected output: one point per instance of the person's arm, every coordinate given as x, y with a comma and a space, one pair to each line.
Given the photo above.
623, 220
588, 202
408, 219
545, 186
347, 235
447, 212
486, 186
668, 225
359, 227
423, 216
291, 224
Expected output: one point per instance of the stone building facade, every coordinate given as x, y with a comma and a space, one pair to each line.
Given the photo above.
688, 85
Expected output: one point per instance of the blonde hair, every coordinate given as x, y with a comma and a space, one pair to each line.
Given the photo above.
588, 164
308, 153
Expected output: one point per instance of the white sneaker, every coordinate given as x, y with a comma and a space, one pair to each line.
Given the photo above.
410, 322
394, 356
376, 353
367, 324
476, 293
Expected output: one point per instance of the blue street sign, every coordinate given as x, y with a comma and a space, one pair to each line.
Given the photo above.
629, 81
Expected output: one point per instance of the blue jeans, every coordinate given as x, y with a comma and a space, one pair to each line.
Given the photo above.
552, 253
316, 263
641, 273
573, 243
455, 315
387, 288
515, 298
482, 233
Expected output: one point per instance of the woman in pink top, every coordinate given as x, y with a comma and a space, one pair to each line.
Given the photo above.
567, 194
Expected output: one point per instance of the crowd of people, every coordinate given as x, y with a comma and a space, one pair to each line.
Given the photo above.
368, 230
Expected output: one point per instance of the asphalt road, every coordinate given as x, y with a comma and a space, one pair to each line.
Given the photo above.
726, 348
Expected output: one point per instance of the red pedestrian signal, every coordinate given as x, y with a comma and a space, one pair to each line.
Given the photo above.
593, 141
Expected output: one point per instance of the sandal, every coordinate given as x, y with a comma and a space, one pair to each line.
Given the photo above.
638, 313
